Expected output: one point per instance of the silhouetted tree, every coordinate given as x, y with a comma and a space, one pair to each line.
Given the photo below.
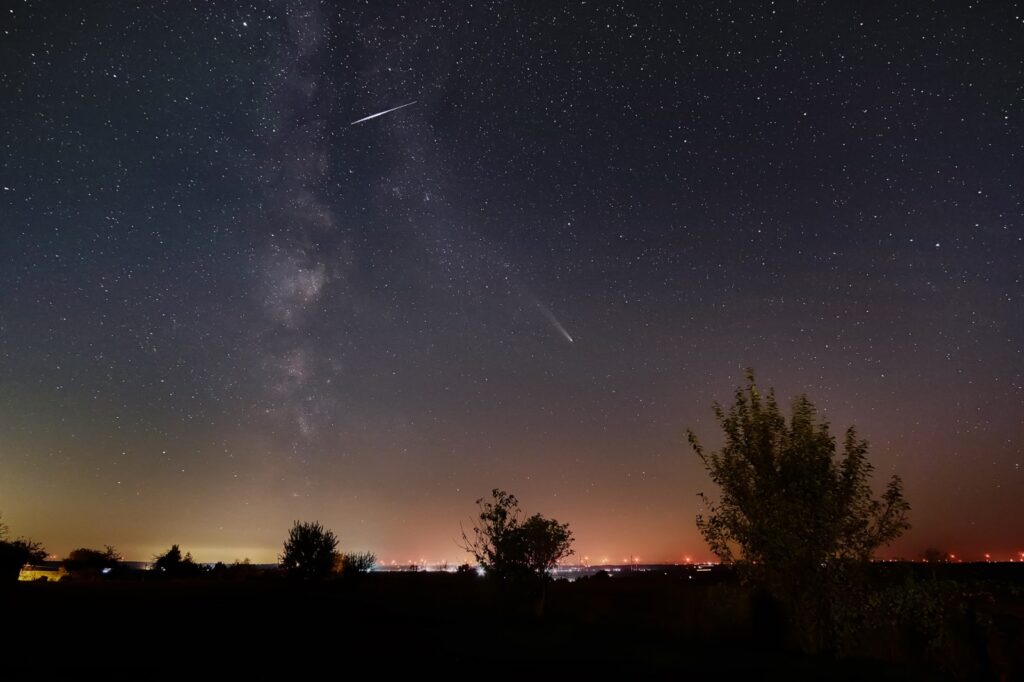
310, 552
934, 556
507, 547
791, 513
545, 543
173, 565
14, 554
357, 562
91, 563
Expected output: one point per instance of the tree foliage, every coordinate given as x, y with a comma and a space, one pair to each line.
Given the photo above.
784, 495
352, 563
173, 565
792, 512
14, 554
310, 552
507, 546
91, 563
935, 556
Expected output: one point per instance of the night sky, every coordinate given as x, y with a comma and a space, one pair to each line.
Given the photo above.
225, 307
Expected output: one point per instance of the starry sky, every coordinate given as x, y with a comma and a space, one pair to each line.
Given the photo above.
225, 307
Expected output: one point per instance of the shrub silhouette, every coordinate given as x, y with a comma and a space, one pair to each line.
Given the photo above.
14, 554
508, 547
91, 563
350, 564
173, 565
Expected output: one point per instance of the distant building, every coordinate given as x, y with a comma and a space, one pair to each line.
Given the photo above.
53, 572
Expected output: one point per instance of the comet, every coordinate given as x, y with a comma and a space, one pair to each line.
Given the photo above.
554, 322
381, 113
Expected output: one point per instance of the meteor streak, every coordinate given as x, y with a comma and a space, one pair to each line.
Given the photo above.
554, 321
382, 113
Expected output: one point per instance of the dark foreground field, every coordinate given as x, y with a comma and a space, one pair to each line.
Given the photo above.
427, 625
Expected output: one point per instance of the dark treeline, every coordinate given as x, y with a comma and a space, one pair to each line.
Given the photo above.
652, 623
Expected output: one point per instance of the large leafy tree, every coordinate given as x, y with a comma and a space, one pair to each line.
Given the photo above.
310, 552
508, 546
792, 511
